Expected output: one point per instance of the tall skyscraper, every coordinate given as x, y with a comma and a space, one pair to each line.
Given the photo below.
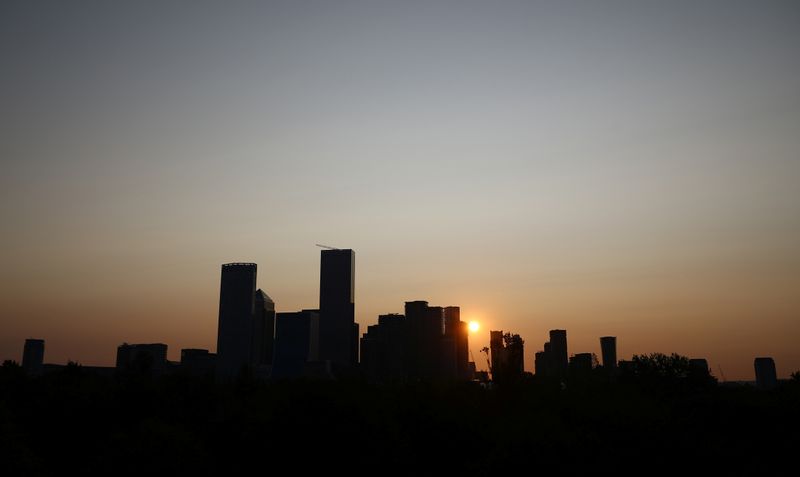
507, 356
540, 363
559, 357
296, 343
236, 308
263, 330
608, 348
499, 357
338, 333
425, 333
766, 374
33, 357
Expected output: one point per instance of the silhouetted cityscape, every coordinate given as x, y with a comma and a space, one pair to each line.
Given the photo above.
303, 386
426, 343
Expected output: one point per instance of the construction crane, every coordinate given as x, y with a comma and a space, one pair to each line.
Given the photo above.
722, 373
326, 246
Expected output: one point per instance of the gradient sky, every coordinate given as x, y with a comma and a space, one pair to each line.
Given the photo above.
611, 168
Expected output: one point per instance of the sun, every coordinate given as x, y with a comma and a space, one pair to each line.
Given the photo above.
474, 326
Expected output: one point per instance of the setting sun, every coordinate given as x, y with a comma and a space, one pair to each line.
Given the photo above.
474, 326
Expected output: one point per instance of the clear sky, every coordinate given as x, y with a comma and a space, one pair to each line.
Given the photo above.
611, 168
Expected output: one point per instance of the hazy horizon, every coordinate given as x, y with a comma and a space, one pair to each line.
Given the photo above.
620, 168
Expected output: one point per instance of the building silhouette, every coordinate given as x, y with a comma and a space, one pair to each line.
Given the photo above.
338, 337
236, 309
263, 338
145, 358
581, 364
540, 363
508, 358
455, 353
384, 353
427, 343
33, 357
297, 343
558, 353
198, 362
766, 374
608, 349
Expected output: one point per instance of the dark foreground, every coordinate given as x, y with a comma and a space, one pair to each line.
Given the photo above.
74, 421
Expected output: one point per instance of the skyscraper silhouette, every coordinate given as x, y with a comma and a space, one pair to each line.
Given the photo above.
263, 339
338, 329
508, 354
33, 357
455, 345
236, 307
608, 348
558, 349
296, 343
766, 374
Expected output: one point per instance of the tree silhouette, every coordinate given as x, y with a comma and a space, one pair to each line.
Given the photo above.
661, 371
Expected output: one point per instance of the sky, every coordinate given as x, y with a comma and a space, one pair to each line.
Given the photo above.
624, 168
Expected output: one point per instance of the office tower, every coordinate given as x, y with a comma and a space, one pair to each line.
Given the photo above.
508, 356
33, 357
766, 375
416, 313
263, 338
432, 336
558, 347
148, 358
498, 352
354, 351
425, 334
198, 362
581, 364
383, 349
462, 352
608, 349
546, 367
338, 335
236, 307
454, 345
296, 343
540, 363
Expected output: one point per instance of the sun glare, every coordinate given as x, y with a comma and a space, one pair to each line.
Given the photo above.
474, 326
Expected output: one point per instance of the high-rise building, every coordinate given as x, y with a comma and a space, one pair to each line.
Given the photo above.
455, 345
559, 357
508, 355
296, 343
149, 358
33, 357
198, 362
338, 333
236, 309
425, 340
766, 374
263, 338
608, 349
540, 363
383, 349
581, 364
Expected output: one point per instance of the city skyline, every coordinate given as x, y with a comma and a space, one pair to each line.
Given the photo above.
615, 168
426, 342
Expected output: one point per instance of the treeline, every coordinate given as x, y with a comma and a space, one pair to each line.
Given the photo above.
648, 421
